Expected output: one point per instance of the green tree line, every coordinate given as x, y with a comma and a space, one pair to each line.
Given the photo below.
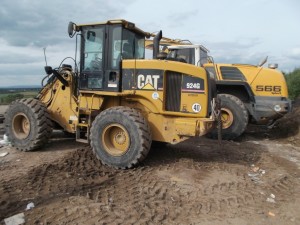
7, 99
293, 83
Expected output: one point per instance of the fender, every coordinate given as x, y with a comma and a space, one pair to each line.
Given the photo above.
239, 89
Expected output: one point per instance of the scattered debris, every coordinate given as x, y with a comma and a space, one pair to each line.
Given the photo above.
272, 195
271, 214
5, 140
3, 154
256, 173
15, 220
255, 169
29, 206
255, 177
262, 172
271, 199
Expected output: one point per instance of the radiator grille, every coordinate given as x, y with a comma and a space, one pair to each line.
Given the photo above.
173, 91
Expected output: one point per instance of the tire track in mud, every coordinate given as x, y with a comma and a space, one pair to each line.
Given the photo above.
70, 176
172, 186
153, 195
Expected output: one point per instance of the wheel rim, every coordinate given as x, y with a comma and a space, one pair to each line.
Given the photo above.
115, 139
226, 117
21, 126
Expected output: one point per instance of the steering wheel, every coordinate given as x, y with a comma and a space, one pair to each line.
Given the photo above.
96, 64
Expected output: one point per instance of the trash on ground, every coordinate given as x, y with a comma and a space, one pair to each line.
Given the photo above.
256, 173
272, 195
5, 140
15, 220
255, 169
271, 200
30, 206
262, 171
3, 154
271, 214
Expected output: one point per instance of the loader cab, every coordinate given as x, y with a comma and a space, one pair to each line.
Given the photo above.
192, 54
103, 48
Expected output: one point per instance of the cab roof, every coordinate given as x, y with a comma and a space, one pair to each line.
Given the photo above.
125, 23
188, 46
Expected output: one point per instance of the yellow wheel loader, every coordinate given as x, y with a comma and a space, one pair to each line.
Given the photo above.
114, 99
247, 93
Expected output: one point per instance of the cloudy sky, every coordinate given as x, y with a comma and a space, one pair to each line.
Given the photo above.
234, 31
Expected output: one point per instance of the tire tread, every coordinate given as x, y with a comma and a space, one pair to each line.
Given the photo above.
43, 124
143, 130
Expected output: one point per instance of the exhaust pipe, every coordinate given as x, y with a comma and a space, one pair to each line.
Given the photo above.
156, 41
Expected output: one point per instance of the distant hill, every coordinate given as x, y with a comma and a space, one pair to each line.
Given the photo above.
21, 87
9, 94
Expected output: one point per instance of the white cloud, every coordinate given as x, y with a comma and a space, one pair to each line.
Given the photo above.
30, 25
234, 31
294, 53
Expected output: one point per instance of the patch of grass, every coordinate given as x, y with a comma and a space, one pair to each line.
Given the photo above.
8, 97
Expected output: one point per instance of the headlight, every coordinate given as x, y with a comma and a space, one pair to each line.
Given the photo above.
277, 108
273, 66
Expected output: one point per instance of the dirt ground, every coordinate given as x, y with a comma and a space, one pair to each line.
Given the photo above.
254, 180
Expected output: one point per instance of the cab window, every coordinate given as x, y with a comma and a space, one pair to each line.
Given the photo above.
93, 49
125, 45
186, 55
116, 46
133, 45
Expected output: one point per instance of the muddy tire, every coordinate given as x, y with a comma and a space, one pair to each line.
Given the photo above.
234, 117
120, 137
27, 124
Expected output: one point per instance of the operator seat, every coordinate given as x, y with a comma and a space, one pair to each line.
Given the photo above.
127, 52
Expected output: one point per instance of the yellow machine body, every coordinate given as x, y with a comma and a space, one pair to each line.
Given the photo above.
141, 93
114, 99
263, 90
263, 81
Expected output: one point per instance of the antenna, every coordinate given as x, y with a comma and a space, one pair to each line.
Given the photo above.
45, 55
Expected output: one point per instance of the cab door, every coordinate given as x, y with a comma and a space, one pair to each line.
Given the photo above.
112, 81
92, 57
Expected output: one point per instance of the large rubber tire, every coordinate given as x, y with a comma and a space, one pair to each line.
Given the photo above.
120, 137
27, 124
234, 117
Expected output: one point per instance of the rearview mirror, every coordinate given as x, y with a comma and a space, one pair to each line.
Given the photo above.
71, 29
48, 70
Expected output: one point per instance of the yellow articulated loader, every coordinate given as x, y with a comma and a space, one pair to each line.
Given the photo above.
248, 93
114, 99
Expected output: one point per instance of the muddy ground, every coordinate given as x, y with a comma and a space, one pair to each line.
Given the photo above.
254, 180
